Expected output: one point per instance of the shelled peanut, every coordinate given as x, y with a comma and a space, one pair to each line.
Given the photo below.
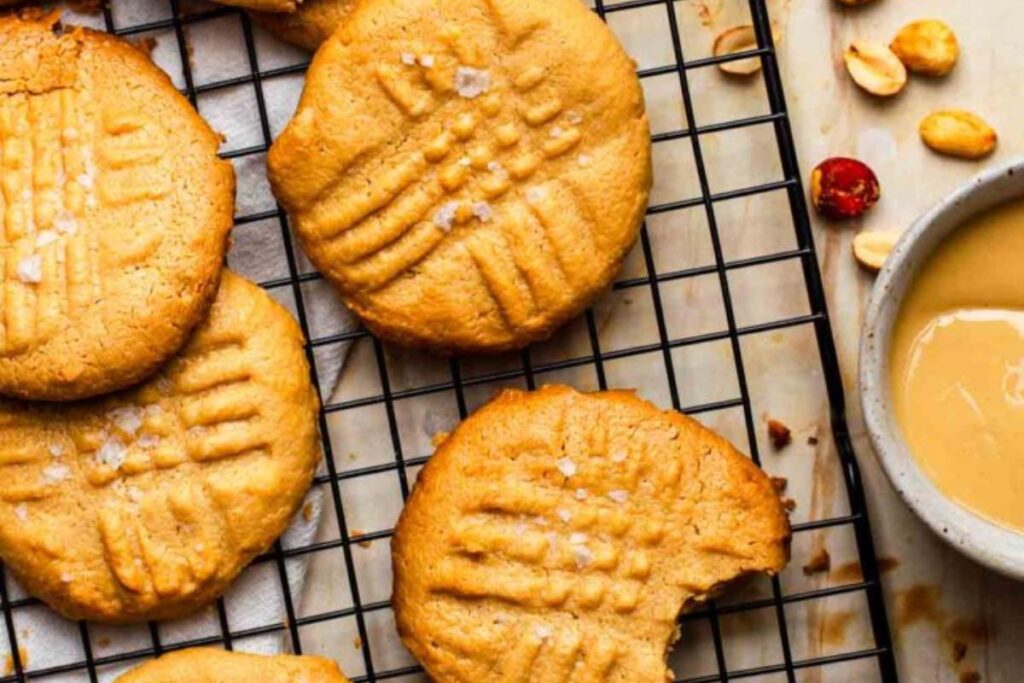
871, 248
928, 47
875, 68
740, 38
958, 133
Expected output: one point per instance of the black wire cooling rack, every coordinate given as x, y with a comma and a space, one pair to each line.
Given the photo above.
528, 369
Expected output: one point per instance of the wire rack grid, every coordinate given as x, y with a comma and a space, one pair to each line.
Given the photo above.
530, 371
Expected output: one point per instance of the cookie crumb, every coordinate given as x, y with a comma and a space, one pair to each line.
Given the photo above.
779, 434
357, 642
812, 441
618, 495
469, 82
307, 511
959, 650
354, 535
789, 504
30, 269
779, 484
820, 562
145, 45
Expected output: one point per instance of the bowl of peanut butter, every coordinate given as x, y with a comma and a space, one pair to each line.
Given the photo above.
942, 368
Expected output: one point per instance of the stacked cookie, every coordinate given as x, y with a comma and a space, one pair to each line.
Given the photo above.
469, 174
159, 429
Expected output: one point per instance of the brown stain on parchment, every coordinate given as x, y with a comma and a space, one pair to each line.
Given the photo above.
918, 603
921, 605
850, 572
834, 627
824, 484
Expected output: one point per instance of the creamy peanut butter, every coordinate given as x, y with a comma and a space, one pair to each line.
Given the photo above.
957, 366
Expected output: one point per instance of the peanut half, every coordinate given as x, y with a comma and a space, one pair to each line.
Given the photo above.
958, 133
871, 247
739, 39
927, 47
875, 68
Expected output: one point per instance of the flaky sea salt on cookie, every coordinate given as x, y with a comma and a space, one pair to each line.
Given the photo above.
218, 666
468, 173
557, 535
146, 504
115, 211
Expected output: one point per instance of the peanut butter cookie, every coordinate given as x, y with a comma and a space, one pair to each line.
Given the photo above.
146, 504
308, 26
557, 535
469, 173
218, 666
266, 5
115, 211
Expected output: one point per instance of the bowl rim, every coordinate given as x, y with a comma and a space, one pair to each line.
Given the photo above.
987, 542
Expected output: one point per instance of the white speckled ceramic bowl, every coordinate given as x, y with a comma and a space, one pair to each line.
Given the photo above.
988, 543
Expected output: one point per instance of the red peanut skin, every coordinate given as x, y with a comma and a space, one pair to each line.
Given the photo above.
843, 188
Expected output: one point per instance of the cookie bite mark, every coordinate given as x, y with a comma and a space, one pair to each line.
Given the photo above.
577, 527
